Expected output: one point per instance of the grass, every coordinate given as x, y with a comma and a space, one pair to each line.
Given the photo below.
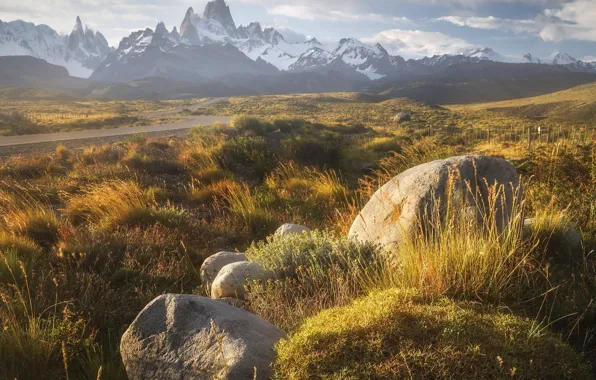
90, 234
398, 334
26, 113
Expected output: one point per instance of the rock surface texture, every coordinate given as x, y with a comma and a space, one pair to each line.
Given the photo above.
408, 203
184, 337
402, 116
213, 264
231, 279
289, 228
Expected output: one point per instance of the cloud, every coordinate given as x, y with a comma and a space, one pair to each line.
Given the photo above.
417, 43
492, 23
589, 58
290, 35
572, 21
317, 13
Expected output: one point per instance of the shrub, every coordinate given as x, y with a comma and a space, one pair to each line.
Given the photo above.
309, 151
317, 250
318, 271
251, 124
63, 153
248, 154
396, 334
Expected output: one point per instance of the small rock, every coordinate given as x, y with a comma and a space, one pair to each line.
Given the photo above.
289, 228
213, 264
402, 116
173, 338
231, 279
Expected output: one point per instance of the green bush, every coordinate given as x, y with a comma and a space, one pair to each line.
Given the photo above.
286, 253
396, 334
248, 154
322, 151
251, 124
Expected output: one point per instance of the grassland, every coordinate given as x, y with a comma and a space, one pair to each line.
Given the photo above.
90, 235
31, 113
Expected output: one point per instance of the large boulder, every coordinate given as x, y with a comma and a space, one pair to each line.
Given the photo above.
232, 278
411, 201
213, 264
289, 228
188, 337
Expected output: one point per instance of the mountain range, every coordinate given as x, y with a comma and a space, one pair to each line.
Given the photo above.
210, 45
80, 52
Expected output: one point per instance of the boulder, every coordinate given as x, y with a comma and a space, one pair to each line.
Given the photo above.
232, 278
188, 337
289, 228
401, 117
566, 246
408, 203
213, 264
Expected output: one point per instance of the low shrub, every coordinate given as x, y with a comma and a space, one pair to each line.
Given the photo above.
396, 334
317, 251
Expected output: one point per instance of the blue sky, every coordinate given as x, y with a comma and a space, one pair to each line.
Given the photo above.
411, 28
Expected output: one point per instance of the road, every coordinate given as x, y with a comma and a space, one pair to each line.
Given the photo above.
187, 123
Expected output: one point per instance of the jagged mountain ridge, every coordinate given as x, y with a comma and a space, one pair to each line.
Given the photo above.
266, 47
80, 52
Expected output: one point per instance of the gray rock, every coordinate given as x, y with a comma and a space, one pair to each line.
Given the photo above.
289, 228
213, 264
569, 246
401, 117
407, 204
232, 278
173, 339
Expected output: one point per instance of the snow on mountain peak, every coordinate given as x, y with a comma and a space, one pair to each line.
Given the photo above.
559, 58
529, 58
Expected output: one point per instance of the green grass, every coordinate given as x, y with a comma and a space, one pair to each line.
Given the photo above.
398, 334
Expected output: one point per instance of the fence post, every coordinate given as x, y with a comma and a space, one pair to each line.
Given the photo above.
529, 138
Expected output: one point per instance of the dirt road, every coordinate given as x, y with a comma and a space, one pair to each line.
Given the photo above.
187, 123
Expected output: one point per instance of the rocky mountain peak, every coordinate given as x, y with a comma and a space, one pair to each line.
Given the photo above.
161, 29
219, 11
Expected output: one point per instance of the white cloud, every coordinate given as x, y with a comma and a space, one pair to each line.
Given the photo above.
417, 43
317, 13
572, 21
290, 35
589, 58
492, 23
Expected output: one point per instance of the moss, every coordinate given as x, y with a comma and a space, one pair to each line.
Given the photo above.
396, 334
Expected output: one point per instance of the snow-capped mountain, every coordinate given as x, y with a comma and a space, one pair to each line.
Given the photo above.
486, 54
559, 58
160, 53
563, 59
80, 52
529, 58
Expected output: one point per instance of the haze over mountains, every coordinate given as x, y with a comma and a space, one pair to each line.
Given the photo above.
209, 55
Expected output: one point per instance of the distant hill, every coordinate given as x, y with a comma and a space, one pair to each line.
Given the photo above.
484, 82
576, 105
25, 71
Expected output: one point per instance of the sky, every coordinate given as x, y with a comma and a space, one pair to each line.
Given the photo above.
410, 28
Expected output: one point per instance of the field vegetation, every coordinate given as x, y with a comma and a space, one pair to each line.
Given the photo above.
89, 236
27, 113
